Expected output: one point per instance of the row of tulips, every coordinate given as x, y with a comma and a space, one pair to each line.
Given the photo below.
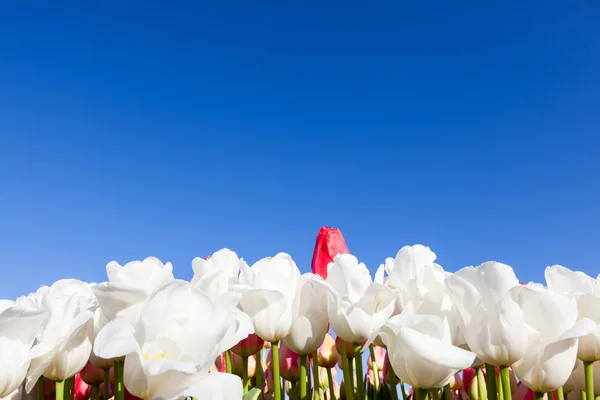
413, 331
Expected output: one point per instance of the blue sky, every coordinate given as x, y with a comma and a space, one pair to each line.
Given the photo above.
170, 129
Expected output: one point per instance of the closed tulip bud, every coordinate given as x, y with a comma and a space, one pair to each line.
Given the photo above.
266, 345
289, 364
328, 355
82, 391
455, 382
467, 376
237, 365
249, 346
324, 379
330, 242
379, 356
92, 375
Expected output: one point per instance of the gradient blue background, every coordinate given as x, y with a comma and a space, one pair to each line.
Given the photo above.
170, 129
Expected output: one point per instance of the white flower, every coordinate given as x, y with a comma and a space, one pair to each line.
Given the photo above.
421, 351
218, 274
129, 287
19, 327
586, 292
268, 291
552, 333
491, 322
171, 349
64, 343
356, 304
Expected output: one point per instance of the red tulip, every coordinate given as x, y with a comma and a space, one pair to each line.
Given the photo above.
468, 375
330, 242
92, 375
249, 346
82, 390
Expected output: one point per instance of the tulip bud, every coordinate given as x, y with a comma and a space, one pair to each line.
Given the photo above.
92, 375
82, 391
330, 242
324, 378
327, 353
289, 364
468, 375
249, 346
455, 382
386, 372
379, 356
237, 365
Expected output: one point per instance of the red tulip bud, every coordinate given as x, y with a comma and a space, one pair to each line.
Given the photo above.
92, 375
82, 390
249, 346
330, 242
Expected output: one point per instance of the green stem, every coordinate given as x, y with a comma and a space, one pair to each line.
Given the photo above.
393, 383
228, 368
303, 381
106, 382
505, 378
375, 367
316, 377
293, 390
360, 377
245, 380
330, 379
70, 388
120, 387
348, 381
40, 385
560, 394
402, 391
60, 390
481, 390
490, 381
447, 393
588, 371
538, 395
275, 366
583, 395
260, 373
94, 393
422, 394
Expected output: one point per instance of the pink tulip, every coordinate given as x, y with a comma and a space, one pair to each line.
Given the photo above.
330, 242
249, 346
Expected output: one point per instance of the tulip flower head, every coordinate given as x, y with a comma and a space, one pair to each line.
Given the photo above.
328, 355
330, 242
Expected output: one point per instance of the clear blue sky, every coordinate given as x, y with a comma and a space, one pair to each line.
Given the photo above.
170, 129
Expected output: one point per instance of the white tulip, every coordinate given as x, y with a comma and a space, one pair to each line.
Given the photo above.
310, 321
420, 285
421, 351
168, 354
491, 322
268, 291
356, 304
19, 327
130, 286
552, 330
218, 274
586, 292
64, 343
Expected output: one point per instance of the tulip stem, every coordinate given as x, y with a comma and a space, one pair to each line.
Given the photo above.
260, 373
375, 367
402, 391
106, 381
315, 370
392, 378
245, 380
330, 381
293, 390
228, 368
481, 390
60, 390
275, 366
94, 393
588, 370
560, 394
348, 381
360, 378
505, 378
303, 381
422, 394
447, 392
40, 385
490, 381
70, 388
120, 387
583, 395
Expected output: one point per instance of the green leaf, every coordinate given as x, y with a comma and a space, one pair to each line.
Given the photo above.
255, 393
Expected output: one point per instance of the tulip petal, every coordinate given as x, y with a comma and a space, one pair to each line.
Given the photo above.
116, 339
216, 386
